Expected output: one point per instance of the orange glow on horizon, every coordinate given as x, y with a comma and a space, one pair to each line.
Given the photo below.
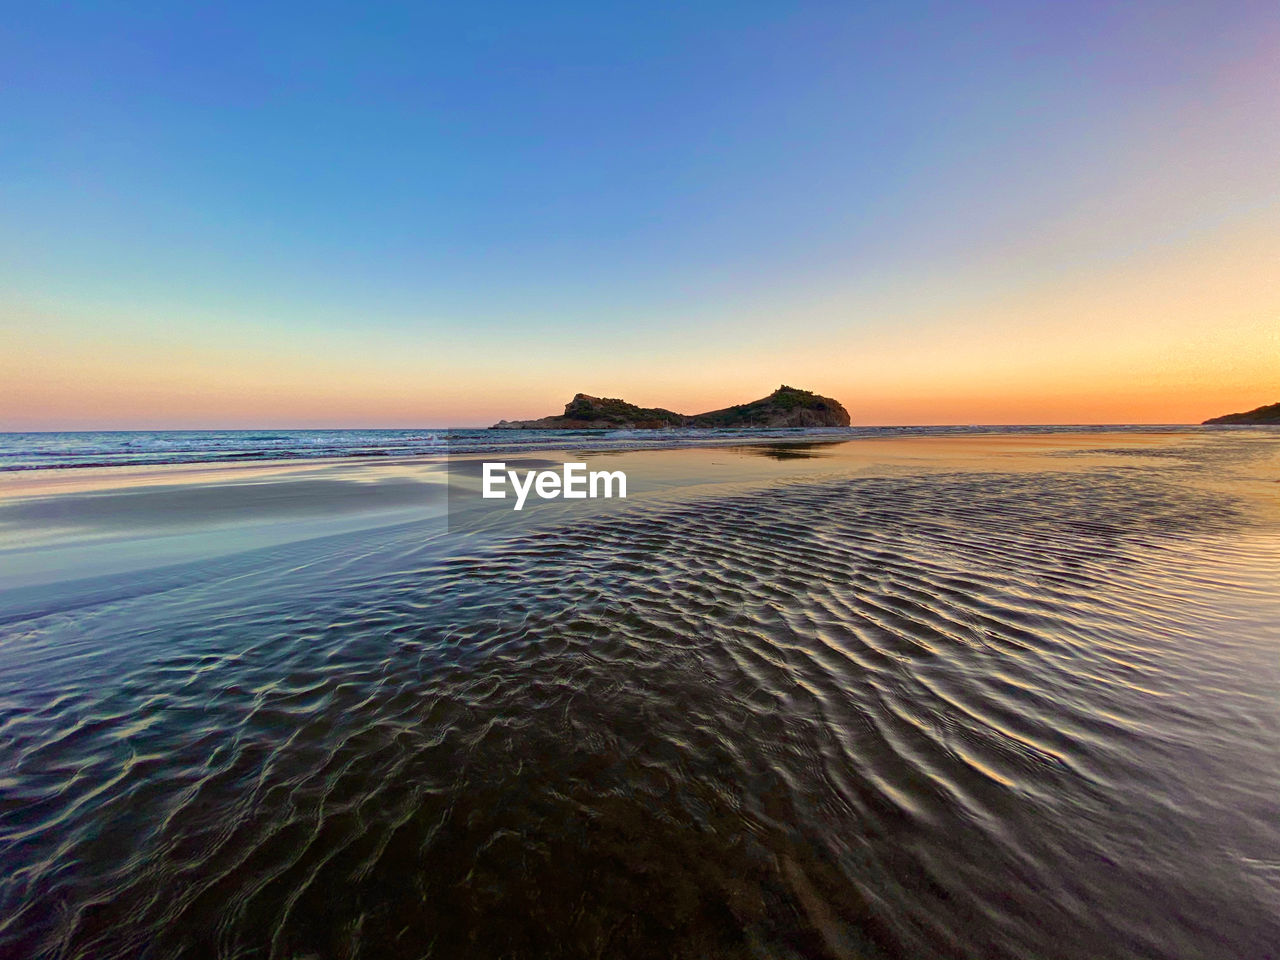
1176, 336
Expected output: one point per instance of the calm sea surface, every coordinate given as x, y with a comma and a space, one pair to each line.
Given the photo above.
106, 448
951, 711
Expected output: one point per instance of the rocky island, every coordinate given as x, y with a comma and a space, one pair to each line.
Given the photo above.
1266, 414
785, 407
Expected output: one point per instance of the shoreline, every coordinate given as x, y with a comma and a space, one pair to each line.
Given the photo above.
12, 477
50, 452
59, 524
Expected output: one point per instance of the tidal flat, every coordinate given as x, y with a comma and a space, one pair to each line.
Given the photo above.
1000, 696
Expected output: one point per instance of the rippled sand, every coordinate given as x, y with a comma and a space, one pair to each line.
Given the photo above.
969, 699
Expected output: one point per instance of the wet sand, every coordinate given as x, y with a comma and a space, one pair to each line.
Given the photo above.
925, 697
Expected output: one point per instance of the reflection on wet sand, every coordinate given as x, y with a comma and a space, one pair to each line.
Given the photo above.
972, 697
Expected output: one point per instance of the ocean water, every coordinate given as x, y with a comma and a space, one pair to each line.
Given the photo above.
968, 712
105, 448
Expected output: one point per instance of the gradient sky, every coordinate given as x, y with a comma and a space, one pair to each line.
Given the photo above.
217, 215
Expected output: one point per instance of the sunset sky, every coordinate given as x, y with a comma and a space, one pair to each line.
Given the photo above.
251, 215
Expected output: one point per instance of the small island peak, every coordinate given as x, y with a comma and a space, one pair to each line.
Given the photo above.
785, 407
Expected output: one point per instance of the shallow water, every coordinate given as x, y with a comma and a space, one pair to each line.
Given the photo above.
107, 448
940, 713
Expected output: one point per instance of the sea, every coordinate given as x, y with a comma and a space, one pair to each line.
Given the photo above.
108, 448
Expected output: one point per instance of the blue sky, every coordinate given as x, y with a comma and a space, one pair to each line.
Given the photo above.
524, 196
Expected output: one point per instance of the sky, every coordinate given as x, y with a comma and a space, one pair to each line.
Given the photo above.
442, 214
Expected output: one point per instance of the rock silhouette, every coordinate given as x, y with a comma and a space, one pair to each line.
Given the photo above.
785, 407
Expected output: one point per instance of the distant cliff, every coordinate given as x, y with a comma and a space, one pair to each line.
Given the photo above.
785, 407
596, 413
1268, 414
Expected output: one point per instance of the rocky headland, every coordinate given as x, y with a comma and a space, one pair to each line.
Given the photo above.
1267, 414
785, 407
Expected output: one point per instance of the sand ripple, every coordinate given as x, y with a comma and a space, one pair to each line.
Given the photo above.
996, 716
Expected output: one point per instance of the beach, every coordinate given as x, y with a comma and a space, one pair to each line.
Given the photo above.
998, 694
